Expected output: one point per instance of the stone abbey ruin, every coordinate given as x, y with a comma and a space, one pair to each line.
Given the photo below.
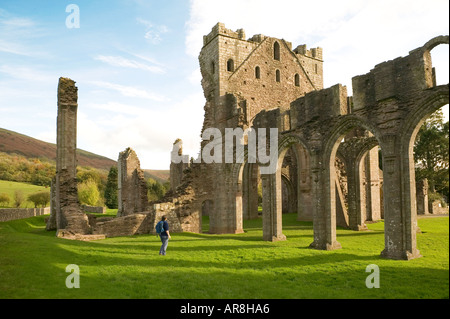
328, 149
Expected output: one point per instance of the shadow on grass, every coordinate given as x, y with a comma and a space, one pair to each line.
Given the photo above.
204, 266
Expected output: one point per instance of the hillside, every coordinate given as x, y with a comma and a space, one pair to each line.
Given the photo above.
161, 176
16, 143
12, 142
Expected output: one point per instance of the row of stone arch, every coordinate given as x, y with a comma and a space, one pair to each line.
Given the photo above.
316, 144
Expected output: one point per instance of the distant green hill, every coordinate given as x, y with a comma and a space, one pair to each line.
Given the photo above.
16, 143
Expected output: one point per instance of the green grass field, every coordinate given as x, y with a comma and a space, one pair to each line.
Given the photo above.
9, 188
198, 266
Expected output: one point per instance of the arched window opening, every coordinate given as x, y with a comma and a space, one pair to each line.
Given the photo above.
440, 64
257, 72
213, 67
230, 65
278, 76
297, 79
276, 51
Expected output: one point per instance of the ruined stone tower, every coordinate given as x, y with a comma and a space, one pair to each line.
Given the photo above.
241, 78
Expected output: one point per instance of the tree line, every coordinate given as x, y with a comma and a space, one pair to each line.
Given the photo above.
95, 187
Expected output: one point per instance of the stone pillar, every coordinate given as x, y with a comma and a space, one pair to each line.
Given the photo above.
400, 219
51, 223
68, 214
373, 211
250, 191
422, 197
178, 164
324, 198
304, 205
272, 210
132, 188
227, 215
355, 216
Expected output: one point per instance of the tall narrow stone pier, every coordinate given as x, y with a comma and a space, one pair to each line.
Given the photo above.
67, 217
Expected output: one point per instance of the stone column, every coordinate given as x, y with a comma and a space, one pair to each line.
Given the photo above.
400, 219
68, 213
355, 216
272, 210
132, 193
178, 164
422, 197
373, 210
324, 198
250, 191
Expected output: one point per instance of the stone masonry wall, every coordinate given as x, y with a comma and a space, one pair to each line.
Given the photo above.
7, 214
132, 193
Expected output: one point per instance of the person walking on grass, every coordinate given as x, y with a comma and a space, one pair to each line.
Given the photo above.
164, 235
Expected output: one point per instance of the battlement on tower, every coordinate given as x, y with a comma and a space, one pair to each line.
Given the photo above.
220, 29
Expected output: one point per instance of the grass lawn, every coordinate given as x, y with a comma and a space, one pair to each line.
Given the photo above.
9, 188
197, 266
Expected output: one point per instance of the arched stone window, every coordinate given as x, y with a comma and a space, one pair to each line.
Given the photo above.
297, 79
230, 65
276, 51
278, 76
257, 72
213, 67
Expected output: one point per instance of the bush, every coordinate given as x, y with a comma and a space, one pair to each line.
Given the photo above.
40, 199
19, 198
88, 193
4, 199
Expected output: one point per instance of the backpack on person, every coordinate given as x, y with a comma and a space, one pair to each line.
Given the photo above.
159, 227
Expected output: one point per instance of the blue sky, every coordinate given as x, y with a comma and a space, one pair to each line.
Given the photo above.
136, 62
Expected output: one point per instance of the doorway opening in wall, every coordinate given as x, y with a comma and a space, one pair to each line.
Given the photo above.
356, 180
207, 210
431, 164
295, 185
430, 144
251, 192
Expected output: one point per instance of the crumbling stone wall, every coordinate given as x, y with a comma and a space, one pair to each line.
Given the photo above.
132, 193
177, 169
7, 214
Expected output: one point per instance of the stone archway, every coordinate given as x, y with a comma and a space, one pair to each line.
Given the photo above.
272, 189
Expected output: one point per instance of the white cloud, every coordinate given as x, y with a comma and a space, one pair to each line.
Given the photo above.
150, 132
127, 63
355, 34
14, 48
27, 73
291, 20
153, 33
130, 91
195, 77
119, 108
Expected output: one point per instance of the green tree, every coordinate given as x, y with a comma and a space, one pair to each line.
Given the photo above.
156, 190
88, 193
19, 198
40, 198
111, 189
431, 153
